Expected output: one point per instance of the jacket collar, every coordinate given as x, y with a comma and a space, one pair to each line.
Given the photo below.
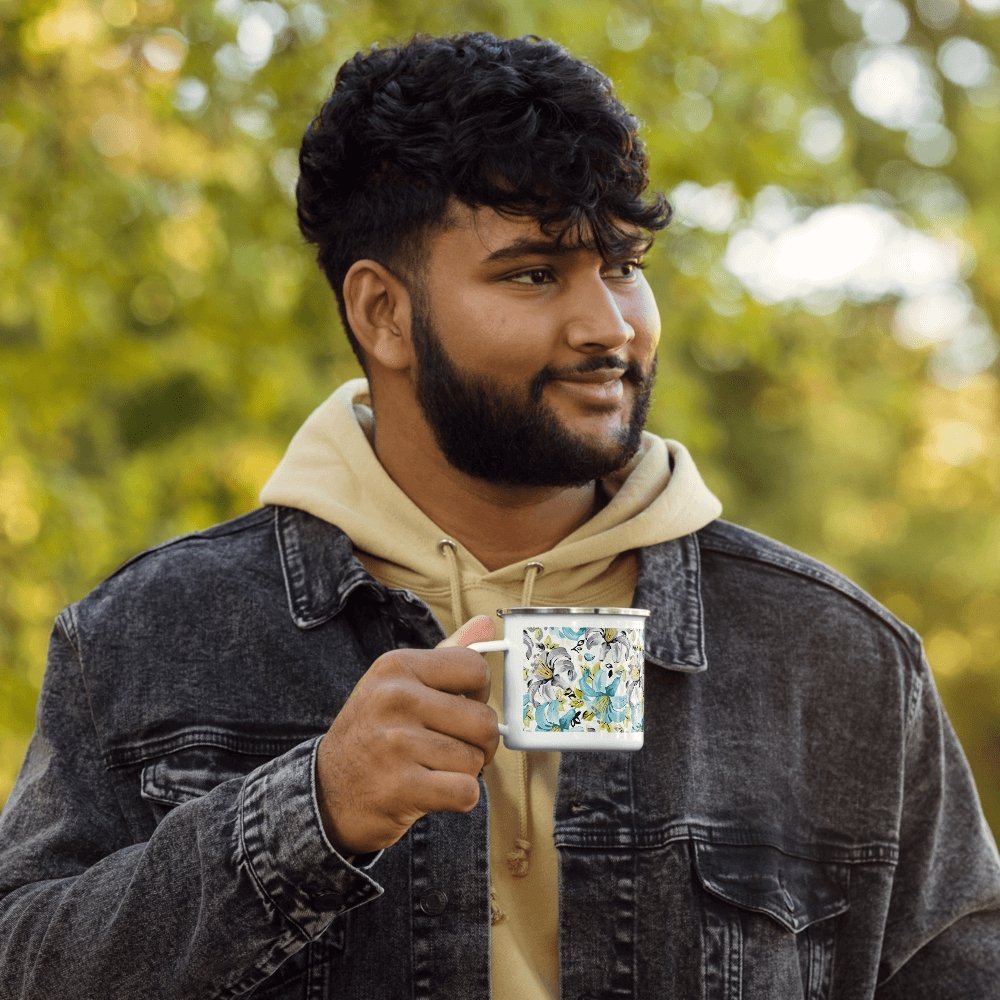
319, 566
321, 572
670, 581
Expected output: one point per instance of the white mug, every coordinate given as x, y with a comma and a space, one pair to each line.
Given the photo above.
573, 678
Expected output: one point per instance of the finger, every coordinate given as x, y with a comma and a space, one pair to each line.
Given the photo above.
477, 629
445, 791
453, 669
463, 719
438, 752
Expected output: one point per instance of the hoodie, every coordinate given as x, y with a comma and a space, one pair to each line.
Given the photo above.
330, 470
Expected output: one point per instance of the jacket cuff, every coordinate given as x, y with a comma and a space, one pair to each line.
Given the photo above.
291, 860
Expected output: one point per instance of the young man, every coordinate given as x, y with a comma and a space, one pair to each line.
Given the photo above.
260, 768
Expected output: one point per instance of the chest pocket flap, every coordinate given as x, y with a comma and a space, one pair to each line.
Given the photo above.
194, 771
796, 892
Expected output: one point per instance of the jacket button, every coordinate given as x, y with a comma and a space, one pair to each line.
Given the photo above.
433, 902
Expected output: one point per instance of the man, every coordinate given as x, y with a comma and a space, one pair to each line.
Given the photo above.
260, 769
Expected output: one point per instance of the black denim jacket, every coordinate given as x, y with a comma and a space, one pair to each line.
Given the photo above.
800, 822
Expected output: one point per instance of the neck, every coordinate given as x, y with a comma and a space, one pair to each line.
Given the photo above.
499, 524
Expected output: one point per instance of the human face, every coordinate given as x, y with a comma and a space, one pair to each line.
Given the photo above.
534, 363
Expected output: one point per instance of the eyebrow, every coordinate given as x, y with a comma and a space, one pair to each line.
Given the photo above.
527, 246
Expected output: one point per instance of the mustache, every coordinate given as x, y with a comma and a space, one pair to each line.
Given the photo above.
633, 372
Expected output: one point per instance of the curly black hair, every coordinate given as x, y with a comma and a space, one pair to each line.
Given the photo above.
517, 125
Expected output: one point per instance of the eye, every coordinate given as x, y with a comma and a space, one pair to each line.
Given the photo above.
627, 270
533, 276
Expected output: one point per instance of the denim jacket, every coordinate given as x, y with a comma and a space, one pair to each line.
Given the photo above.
800, 822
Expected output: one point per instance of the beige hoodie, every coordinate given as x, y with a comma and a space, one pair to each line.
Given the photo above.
331, 471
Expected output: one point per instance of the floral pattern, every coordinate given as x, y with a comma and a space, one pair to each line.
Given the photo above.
585, 679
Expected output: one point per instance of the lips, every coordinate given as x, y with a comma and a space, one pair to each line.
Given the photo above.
598, 381
603, 387
601, 376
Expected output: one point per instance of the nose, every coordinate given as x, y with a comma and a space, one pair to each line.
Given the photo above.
597, 322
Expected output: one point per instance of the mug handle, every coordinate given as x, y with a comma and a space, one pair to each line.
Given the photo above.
492, 646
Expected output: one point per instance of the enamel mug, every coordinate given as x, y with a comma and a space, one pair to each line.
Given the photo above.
572, 679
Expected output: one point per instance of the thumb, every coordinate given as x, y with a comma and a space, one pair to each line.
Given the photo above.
477, 629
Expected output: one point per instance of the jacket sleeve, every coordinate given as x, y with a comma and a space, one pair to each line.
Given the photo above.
227, 887
942, 935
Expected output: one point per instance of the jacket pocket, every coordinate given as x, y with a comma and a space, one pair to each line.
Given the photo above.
193, 771
768, 921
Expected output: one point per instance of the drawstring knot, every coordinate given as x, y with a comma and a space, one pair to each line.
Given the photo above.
496, 914
517, 859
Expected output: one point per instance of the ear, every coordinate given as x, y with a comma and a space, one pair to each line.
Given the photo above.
378, 307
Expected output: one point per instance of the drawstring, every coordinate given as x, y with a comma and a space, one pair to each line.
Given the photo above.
447, 548
518, 858
531, 574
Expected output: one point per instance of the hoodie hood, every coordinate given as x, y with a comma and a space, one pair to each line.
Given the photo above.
330, 470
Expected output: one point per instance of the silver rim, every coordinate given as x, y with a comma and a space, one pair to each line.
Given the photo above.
635, 612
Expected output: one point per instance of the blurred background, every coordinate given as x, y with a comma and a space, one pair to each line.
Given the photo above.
830, 289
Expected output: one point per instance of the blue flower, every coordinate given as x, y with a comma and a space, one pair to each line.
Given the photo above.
601, 696
548, 719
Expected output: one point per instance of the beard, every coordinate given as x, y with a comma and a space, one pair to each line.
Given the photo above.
513, 438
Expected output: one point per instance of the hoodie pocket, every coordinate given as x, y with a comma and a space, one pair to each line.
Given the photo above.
768, 921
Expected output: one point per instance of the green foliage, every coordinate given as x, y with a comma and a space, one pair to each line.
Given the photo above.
163, 331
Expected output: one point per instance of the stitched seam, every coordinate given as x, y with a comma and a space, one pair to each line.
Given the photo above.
247, 522
913, 704
67, 616
869, 852
283, 561
251, 746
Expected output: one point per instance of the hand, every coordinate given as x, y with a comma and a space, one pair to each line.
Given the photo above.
411, 739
